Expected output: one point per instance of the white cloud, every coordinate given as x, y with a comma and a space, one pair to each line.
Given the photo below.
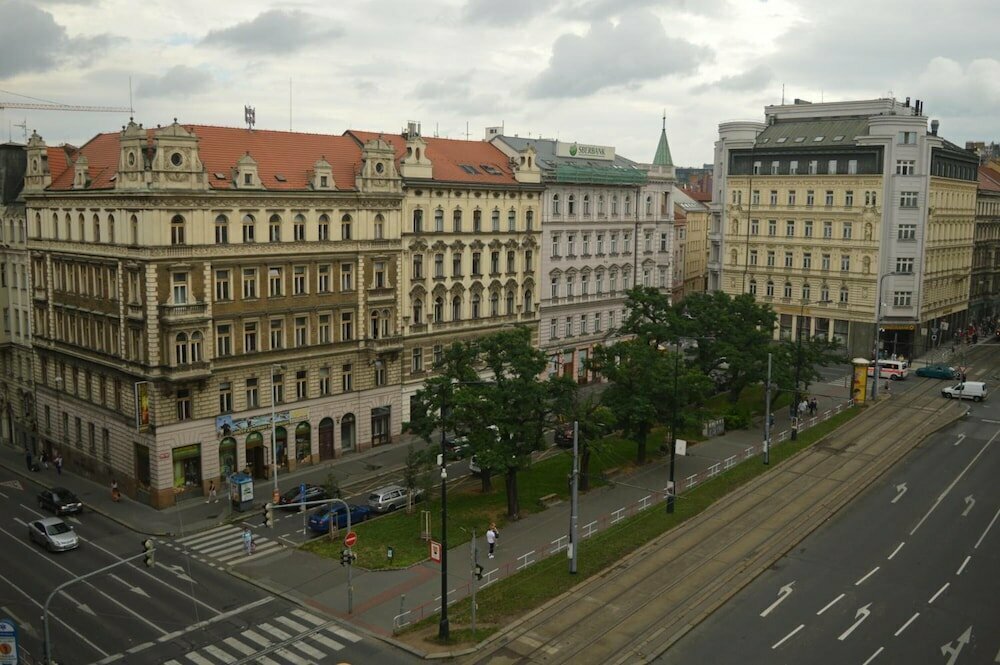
32, 41
275, 31
178, 80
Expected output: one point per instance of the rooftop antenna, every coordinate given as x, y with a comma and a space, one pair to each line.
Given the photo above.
24, 128
782, 94
131, 109
664, 119
289, 103
466, 130
250, 116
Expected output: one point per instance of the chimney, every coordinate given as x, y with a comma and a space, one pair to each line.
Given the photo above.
934, 127
906, 104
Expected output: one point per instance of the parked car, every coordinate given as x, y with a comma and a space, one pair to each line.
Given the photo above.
563, 435
53, 534
456, 447
60, 501
974, 390
295, 495
939, 372
319, 521
391, 497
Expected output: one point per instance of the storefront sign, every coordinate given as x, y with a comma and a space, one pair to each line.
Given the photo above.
142, 411
226, 425
585, 151
8, 642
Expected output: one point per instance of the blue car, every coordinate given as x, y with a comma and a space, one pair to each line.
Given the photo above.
319, 521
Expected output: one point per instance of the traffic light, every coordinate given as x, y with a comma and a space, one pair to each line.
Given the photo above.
478, 570
148, 549
269, 514
347, 557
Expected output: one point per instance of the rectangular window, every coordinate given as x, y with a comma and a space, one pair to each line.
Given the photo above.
829, 197
773, 200
583, 324
807, 260
772, 227
495, 221
906, 232
754, 227
753, 257
323, 278
586, 244
810, 197
770, 258
494, 263
756, 168
827, 229
346, 326
845, 263
347, 378
277, 388
793, 168
755, 197
788, 259
512, 221
417, 266
438, 354
456, 221
249, 231
223, 339
325, 329
831, 167
252, 393
275, 277
301, 331
774, 168
849, 198
569, 326
807, 228
299, 228
791, 197
417, 360
848, 230
852, 166
180, 287
477, 221
908, 199
346, 277
183, 406
790, 228
825, 262
301, 385
299, 280
225, 397
908, 138
905, 166
813, 166
456, 264
324, 380
904, 265
379, 274
902, 298
439, 221
553, 329
249, 283
249, 336
222, 285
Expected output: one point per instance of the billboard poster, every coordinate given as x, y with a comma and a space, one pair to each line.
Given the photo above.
859, 381
227, 425
142, 410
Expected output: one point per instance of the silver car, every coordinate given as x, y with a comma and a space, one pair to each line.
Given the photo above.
54, 534
391, 497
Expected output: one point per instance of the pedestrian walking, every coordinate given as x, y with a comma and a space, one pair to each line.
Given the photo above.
27, 459
58, 461
491, 537
45, 459
803, 407
115, 494
813, 407
248, 544
213, 494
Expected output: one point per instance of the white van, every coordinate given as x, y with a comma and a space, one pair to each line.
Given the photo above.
974, 390
897, 370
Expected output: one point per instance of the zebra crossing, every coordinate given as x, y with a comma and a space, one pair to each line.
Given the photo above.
297, 638
223, 546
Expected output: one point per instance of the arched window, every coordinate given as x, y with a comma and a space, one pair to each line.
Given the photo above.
844, 294
97, 228
177, 230
571, 205
528, 302
753, 287
529, 220
323, 228
69, 227
274, 228
438, 310
494, 304
649, 205
770, 289
787, 291
80, 223
299, 227
385, 322
196, 340
379, 227
133, 223
345, 227
475, 305
38, 225
824, 293
249, 228
555, 204
221, 230
586, 205
111, 229
806, 292
181, 349
418, 311
418, 221
456, 308
374, 326
628, 205
510, 302
600, 205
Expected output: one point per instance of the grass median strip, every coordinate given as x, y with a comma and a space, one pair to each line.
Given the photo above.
511, 597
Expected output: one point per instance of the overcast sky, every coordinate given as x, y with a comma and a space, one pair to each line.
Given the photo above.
593, 71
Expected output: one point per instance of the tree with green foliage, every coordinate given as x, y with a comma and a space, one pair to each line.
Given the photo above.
651, 316
794, 361
594, 421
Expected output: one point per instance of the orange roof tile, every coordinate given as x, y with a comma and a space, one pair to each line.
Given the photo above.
448, 156
989, 178
58, 159
289, 154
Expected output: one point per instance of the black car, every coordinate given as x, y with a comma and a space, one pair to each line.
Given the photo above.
456, 447
295, 495
60, 501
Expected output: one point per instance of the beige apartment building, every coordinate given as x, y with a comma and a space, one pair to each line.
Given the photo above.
826, 211
187, 281
691, 272
984, 296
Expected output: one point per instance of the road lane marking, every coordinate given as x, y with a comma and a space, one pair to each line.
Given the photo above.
236, 645
988, 527
20, 521
962, 567
954, 482
940, 591
198, 660
873, 571
783, 592
830, 604
294, 625
140, 647
56, 618
860, 616
344, 633
906, 625
896, 551
873, 656
203, 534
220, 617
4, 495
256, 638
307, 649
789, 635
332, 645
276, 632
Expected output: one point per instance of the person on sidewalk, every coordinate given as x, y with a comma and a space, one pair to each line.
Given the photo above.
212, 492
248, 541
115, 494
491, 537
58, 461
27, 459
45, 459
813, 406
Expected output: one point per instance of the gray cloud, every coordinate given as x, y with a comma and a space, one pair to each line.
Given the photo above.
32, 41
456, 94
752, 79
179, 80
275, 31
594, 9
635, 50
505, 13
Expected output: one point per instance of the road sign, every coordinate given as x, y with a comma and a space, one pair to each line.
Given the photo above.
350, 539
435, 551
8, 642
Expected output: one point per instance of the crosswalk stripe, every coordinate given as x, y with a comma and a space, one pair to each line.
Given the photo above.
346, 634
257, 638
220, 654
302, 614
209, 549
333, 645
198, 660
171, 662
307, 649
239, 646
294, 625
276, 632
204, 534
289, 656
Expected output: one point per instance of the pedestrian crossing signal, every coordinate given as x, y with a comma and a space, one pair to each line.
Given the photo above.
478, 570
269, 515
148, 549
347, 557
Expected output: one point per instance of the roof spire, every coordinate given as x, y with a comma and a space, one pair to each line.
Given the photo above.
662, 157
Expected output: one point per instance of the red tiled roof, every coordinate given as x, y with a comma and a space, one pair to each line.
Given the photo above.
58, 160
447, 156
989, 177
289, 154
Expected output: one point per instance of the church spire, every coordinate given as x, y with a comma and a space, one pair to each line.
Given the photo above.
662, 157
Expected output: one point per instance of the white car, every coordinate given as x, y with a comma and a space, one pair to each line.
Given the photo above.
54, 534
974, 390
391, 497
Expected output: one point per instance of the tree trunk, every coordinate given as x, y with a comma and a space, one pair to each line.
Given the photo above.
640, 457
486, 478
585, 469
513, 506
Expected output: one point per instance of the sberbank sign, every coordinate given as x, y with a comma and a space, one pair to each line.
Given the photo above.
585, 151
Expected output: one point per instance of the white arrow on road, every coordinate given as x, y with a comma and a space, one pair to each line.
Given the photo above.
969, 503
961, 437
962, 640
176, 570
133, 589
23, 625
901, 488
783, 593
861, 615
83, 607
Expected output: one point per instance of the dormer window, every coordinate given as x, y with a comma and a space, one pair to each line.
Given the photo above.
175, 158
247, 178
130, 159
379, 167
324, 181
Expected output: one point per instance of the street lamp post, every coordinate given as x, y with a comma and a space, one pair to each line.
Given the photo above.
798, 366
274, 443
673, 431
878, 316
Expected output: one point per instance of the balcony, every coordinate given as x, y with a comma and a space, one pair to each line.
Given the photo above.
135, 311
381, 294
188, 372
382, 344
182, 313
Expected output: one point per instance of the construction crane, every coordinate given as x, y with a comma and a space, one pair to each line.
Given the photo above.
62, 107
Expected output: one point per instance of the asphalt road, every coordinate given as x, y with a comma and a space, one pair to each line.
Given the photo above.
180, 611
907, 573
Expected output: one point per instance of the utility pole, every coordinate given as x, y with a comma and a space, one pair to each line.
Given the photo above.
574, 494
475, 578
767, 414
673, 430
443, 627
